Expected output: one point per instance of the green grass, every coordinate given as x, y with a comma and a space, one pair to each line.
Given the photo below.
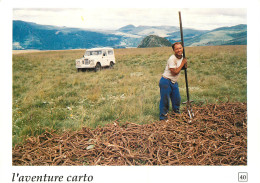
48, 93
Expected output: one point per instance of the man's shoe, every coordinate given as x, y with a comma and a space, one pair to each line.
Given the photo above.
177, 111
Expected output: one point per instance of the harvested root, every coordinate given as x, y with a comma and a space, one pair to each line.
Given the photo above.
216, 136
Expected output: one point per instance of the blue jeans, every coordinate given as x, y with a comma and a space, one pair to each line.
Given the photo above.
169, 91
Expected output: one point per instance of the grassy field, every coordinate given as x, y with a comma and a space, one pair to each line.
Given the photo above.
48, 92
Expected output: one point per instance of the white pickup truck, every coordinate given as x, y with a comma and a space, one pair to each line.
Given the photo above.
96, 58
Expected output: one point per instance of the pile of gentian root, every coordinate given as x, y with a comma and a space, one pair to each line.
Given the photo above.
217, 135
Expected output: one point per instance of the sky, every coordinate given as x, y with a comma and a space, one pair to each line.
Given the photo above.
114, 18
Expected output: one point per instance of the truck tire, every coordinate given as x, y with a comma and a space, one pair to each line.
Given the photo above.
98, 67
111, 65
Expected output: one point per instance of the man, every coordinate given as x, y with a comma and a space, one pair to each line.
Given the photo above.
169, 89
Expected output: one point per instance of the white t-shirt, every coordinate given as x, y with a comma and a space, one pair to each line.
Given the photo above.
172, 62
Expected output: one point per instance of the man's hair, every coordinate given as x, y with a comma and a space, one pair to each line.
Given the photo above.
173, 45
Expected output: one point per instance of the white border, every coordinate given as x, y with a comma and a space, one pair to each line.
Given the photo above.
145, 173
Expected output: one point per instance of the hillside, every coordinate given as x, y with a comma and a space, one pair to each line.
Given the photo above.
154, 41
28, 35
235, 35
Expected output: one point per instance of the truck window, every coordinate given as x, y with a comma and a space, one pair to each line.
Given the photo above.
89, 53
110, 52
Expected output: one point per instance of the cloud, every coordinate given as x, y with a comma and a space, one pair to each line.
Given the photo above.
114, 18
217, 11
214, 17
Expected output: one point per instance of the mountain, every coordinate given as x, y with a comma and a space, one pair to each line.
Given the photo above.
235, 35
154, 41
28, 35
127, 28
162, 31
187, 35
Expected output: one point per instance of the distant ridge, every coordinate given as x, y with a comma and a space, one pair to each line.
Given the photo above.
234, 35
29, 35
154, 41
127, 28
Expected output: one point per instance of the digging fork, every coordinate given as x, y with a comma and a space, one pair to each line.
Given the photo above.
188, 102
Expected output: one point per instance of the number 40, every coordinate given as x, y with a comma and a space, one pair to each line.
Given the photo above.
242, 176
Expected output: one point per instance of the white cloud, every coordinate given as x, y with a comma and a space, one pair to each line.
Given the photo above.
113, 18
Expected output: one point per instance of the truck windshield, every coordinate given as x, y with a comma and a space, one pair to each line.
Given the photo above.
89, 53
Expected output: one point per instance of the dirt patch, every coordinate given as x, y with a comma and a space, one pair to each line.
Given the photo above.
15, 52
217, 136
24, 51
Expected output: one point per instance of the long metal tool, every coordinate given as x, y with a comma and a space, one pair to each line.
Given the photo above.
188, 103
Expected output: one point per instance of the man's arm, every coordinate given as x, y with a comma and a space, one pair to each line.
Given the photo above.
176, 71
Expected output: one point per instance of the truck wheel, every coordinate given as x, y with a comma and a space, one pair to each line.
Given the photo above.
78, 69
111, 65
98, 67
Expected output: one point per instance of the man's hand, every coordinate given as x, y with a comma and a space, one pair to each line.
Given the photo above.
175, 71
184, 63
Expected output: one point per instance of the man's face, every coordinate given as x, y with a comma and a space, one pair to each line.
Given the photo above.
178, 49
